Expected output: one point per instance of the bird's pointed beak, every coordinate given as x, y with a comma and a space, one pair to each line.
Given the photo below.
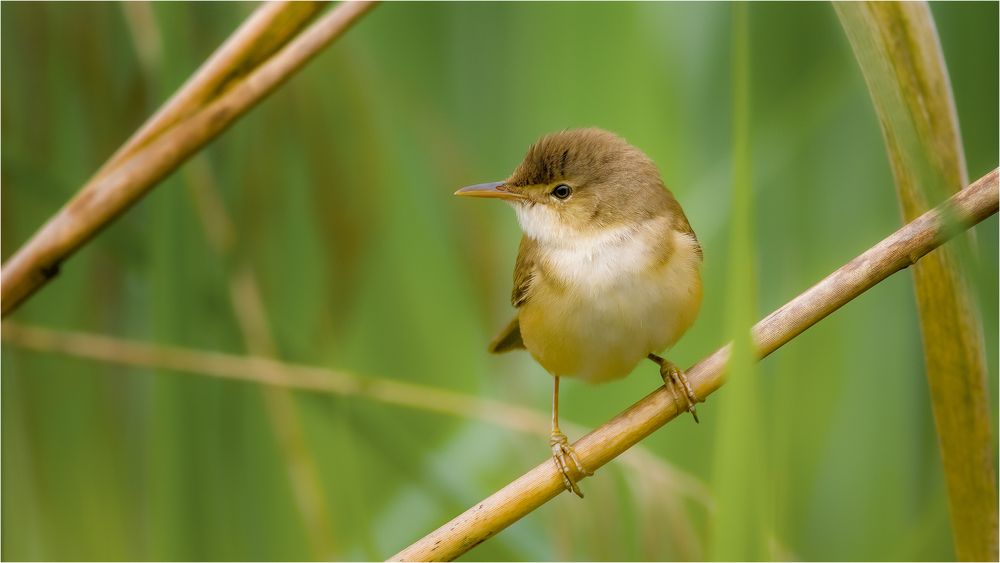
490, 189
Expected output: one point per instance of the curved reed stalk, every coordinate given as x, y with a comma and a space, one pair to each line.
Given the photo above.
544, 482
900, 55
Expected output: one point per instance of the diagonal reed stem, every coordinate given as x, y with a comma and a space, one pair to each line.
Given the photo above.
543, 483
111, 192
269, 28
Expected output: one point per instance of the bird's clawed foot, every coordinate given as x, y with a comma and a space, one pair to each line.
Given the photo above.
675, 381
564, 455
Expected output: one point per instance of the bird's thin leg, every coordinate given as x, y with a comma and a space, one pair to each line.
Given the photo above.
677, 383
562, 452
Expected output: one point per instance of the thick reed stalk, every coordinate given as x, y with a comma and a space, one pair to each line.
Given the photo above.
109, 194
897, 47
543, 483
267, 30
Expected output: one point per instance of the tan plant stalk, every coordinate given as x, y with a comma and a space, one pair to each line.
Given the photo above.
108, 195
267, 29
287, 376
544, 482
897, 47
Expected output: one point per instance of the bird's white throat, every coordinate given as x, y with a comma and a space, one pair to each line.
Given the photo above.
543, 224
593, 260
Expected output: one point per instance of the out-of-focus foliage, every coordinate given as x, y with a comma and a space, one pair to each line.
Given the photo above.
340, 189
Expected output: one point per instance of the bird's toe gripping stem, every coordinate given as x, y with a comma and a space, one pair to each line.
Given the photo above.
679, 386
564, 456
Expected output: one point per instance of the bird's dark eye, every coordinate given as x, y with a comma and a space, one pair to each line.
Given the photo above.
562, 191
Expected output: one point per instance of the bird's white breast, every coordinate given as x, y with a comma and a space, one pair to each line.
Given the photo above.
611, 301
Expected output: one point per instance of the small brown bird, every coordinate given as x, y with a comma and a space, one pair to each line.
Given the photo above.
608, 271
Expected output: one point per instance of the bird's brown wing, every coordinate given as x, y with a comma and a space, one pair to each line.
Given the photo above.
681, 222
524, 274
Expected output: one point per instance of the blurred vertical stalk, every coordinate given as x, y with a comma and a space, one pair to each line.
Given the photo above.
268, 29
740, 528
251, 316
900, 55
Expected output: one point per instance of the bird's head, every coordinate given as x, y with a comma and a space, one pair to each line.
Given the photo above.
580, 183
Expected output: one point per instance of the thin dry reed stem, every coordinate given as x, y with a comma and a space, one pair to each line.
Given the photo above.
270, 372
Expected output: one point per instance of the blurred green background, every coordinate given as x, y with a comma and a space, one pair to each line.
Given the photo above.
338, 189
